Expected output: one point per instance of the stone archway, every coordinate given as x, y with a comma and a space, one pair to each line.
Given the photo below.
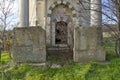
61, 16
53, 17
74, 13
61, 19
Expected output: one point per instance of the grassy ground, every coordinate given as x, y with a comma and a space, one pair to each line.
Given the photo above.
71, 71
5, 58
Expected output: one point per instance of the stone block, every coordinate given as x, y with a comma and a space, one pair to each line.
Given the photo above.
86, 45
29, 45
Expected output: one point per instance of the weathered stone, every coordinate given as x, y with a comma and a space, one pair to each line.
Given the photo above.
86, 45
59, 18
29, 45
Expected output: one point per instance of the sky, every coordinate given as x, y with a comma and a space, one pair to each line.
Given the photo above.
13, 16
16, 6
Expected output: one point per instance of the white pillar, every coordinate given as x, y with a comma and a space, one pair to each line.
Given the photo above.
96, 15
23, 13
32, 12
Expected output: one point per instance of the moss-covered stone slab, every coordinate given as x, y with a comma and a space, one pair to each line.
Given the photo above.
29, 45
87, 45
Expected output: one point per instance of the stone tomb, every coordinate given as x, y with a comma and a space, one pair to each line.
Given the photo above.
58, 32
87, 45
29, 45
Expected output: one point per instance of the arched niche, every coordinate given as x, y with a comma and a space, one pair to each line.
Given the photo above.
62, 9
61, 21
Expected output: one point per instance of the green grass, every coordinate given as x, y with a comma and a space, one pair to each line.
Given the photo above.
109, 45
26, 72
71, 71
88, 71
5, 58
107, 35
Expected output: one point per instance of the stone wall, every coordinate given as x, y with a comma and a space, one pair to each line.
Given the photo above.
87, 45
29, 45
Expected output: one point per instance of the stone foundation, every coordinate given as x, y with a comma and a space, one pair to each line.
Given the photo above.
87, 46
29, 45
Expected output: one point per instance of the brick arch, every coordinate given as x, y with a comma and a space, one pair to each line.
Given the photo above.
64, 18
70, 20
62, 2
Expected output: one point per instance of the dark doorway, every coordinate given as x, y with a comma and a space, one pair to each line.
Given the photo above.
61, 33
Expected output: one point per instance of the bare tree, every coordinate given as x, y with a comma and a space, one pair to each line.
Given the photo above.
6, 18
111, 15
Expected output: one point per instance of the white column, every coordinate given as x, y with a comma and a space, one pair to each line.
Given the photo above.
96, 16
32, 12
41, 13
23, 13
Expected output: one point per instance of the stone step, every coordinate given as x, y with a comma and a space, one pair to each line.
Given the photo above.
58, 48
55, 49
61, 52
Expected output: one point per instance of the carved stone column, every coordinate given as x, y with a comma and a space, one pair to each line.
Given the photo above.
23, 13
